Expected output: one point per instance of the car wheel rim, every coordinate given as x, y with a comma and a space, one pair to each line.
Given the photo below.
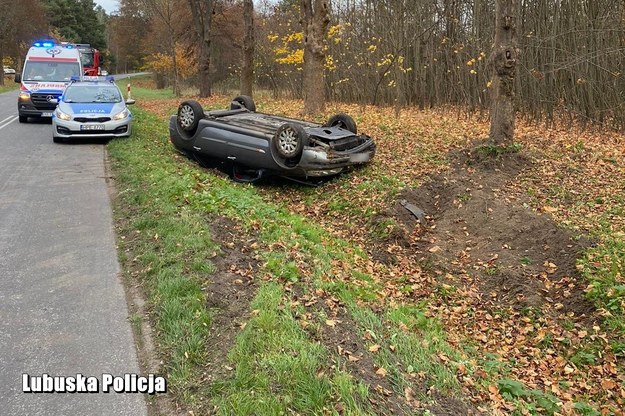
287, 141
186, 116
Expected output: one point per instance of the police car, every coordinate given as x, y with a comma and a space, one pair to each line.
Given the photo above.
91, 107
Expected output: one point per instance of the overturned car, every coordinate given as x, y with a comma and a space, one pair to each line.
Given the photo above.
254, 145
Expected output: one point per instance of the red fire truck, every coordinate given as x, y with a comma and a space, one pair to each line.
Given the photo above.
90, 58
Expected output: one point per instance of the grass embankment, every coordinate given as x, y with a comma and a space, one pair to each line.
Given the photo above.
9, 85
317, 279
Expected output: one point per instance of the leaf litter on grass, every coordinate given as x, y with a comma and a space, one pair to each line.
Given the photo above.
560, 355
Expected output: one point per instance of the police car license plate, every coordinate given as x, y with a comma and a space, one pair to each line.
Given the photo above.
46, 114
92, 127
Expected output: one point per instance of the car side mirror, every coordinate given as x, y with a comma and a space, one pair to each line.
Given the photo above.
18, 78
53, 101
130, 101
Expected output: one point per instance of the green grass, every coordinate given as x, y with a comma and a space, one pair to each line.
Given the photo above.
603, 267
170, 248
163, 205
278, 370
9, 85
142, 93
162, 211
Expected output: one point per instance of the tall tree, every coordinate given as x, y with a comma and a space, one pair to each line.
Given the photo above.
202, 11
128, 30
247, 65
504, 59
15, 37
315, 19
7, 27
166, 13
76, 21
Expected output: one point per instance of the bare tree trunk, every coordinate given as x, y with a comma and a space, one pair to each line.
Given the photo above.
202, 11
165, 10
7, 28
247, 66
2, 60
176, 84
504, 59
315, 20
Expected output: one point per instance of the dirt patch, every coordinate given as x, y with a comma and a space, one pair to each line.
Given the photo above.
477, 224
338, 333
229, 292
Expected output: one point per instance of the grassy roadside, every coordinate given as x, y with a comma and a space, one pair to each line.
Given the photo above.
168, 251
9, 85
163, 207
165, 203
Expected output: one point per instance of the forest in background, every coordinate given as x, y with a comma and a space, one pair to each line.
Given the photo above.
386, 52
411, 52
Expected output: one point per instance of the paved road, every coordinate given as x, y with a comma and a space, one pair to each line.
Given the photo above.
62, 305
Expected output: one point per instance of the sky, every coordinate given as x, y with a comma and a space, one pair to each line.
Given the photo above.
108, 5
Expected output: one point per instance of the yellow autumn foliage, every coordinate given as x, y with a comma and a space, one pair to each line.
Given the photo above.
162, 63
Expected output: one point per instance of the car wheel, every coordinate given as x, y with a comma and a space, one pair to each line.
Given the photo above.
244, 101
190, 113
289, 140
57, 139
23, 119
343, 121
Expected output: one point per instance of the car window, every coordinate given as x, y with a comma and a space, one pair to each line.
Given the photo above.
92, 94
50, 71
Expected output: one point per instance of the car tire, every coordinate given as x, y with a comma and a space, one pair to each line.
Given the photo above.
190, 113
57, 139
243, 101
23, 119
289, 141
344, 121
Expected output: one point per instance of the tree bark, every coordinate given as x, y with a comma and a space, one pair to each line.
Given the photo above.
504, 60
2, 60
247, 65
8, 25
315, 20
174, 62
202, 11
165, 11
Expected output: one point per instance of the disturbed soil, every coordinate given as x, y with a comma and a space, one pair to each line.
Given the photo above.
476, 225
229, 292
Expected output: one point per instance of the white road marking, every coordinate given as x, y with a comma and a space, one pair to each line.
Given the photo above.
7, 121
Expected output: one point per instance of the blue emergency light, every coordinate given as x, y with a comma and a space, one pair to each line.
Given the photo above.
43, 44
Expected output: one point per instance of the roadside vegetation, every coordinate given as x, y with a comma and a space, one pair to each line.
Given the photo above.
338, 308
9, 85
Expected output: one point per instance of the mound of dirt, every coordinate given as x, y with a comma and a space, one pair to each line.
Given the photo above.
478, 226
229, 291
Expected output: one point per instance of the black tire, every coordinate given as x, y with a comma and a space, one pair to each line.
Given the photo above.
190, 113
343, 121
243, 101
289, 140
23, 119
57, 139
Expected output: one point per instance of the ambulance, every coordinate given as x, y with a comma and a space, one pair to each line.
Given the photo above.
48, 68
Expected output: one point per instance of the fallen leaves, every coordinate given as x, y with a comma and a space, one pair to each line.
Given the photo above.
540, 351
374, 348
